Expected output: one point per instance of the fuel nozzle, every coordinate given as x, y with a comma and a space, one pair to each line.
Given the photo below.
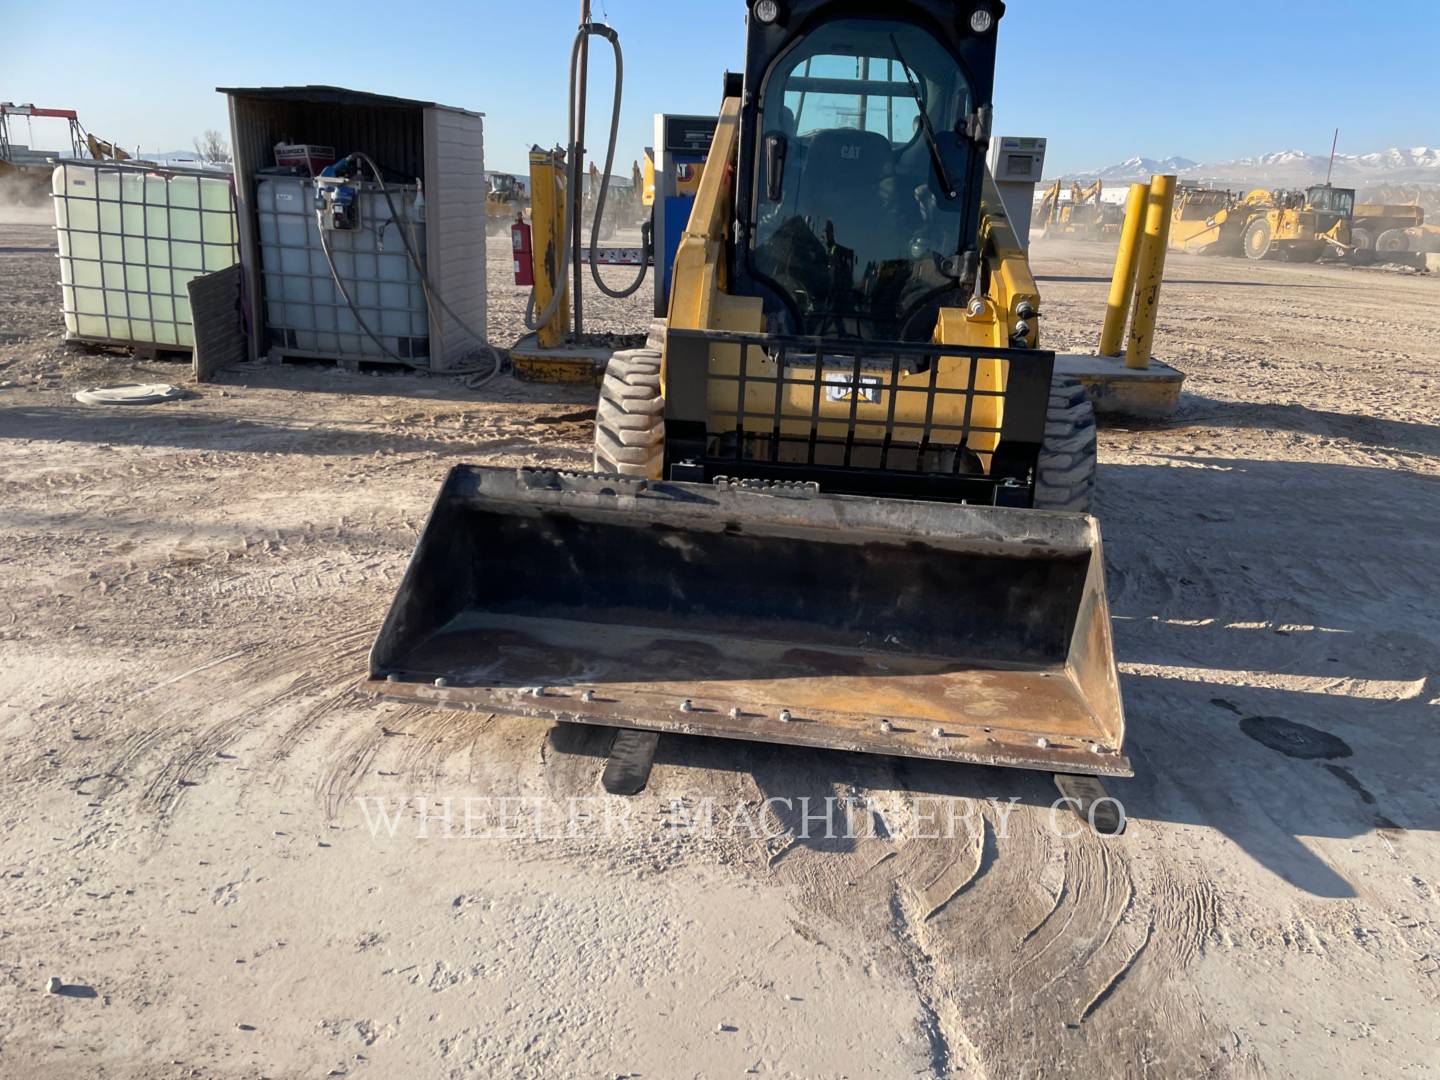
336, 201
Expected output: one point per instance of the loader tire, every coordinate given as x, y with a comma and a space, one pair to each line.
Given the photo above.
1257, 239
630, 416
1065, 473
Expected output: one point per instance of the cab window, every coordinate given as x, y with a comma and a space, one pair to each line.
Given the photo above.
851, 226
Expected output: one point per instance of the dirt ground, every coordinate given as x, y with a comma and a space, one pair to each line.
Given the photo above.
187, 597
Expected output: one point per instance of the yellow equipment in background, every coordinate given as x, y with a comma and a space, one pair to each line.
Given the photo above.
624, 208
1086, 216
841, 499
1202, 223
101, 150
647, 196
1296, 225
1046, 209
505, 200
1386, 229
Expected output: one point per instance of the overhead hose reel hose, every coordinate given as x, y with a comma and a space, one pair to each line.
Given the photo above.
572, 180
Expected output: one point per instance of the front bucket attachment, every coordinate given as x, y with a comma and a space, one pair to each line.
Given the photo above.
930, 630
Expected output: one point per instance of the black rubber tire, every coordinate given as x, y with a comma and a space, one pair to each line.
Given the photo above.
1253, 245
1392, 242
630, 416
1065, 476
1362, 250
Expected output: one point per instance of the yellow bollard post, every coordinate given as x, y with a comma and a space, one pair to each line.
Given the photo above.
1151, 270
1122, 284
547, 208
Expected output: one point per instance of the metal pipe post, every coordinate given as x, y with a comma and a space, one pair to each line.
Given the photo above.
547, 224
1122, 284
577, 197
1151, 271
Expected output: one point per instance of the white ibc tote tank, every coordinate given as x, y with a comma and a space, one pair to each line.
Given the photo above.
130, 238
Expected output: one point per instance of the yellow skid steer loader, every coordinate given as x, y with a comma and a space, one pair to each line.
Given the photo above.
842, 500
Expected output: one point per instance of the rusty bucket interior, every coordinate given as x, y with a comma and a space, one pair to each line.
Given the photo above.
932, 630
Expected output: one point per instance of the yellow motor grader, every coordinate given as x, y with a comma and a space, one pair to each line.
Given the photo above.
841, 499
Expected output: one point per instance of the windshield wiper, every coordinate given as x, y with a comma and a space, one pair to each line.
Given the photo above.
926, 127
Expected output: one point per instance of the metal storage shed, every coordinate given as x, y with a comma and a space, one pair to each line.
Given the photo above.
439, 144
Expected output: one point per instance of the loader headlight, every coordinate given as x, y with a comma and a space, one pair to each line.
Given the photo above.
767, 11
981, 19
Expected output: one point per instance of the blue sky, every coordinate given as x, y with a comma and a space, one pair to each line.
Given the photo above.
1104, 80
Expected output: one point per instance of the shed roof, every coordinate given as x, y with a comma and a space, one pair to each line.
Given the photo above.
335, 95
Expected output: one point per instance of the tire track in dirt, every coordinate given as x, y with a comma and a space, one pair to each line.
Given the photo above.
937, 1021
1094, 957
60, 481
347, 765
172, 754
1027, 945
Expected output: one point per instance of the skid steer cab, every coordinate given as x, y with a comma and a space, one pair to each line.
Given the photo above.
849, 305
824, 503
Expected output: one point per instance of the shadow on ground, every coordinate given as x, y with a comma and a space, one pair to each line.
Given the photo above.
1400, 435
1090, 279
189, 428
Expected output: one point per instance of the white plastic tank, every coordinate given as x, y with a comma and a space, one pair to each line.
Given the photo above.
305, 314
130, 238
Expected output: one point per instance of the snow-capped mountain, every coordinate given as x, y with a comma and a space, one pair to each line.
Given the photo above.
1141, 166
1418, 157
1285, 168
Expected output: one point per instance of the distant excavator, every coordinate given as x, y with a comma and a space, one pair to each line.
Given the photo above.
1086, 216
25, 173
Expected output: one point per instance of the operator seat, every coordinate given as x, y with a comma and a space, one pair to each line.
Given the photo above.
842, 183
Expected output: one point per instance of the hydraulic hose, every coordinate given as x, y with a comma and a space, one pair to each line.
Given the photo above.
432, 297
572, 181
345, 293
619, 294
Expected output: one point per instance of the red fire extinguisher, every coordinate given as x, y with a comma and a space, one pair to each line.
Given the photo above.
524, 259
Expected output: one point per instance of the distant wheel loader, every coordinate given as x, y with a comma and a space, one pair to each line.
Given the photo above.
841, 500
505, 199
